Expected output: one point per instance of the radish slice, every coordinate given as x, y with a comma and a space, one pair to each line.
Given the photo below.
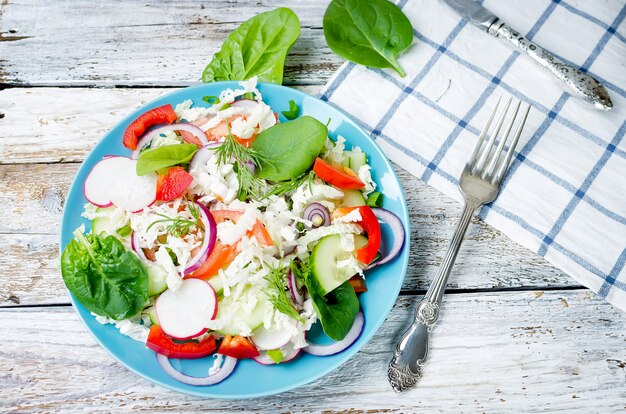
398, 235
210, 236
98, 183
203, 155
288, 351
114, 180
296, 294
147, 139
334, 348
265, 339
185, 312
228, 366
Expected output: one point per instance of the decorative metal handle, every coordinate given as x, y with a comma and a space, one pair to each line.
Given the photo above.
411, 352
579, 84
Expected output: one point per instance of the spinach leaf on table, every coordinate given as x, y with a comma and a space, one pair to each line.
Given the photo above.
256, 48
103, 276
289, 149
166, 156
368, 32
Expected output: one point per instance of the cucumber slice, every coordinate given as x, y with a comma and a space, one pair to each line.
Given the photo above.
253, 319
151, 311
354, 160
157, 278
352, 198
101, 224
324, 258
217, 285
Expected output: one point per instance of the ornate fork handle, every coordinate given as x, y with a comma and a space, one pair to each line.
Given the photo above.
411, 352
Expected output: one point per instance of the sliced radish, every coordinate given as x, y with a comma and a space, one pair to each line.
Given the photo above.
191, 129
265, 339
203, 155
114, 181
184, 313
98, 183
289, 353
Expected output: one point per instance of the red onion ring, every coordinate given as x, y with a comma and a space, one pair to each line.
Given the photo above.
398, 235
210, 236
335, 348
203, 155
296, 295
146, 139
134, 244
315, 212
228, 366
289, 353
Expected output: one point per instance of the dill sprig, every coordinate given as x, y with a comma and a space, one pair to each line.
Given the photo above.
277, 294
180, 226
231, 150
286, 187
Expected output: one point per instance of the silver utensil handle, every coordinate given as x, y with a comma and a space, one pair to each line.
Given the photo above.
578, 83
411, 352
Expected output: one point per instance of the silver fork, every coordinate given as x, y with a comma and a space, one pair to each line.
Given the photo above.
479, 184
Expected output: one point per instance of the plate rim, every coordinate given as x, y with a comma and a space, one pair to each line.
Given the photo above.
75, 186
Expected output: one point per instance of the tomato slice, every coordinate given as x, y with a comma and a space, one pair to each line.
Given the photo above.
340, 177
162, 344
371, 226
221, 256
238, 347
221, 216
172, 185
161, 115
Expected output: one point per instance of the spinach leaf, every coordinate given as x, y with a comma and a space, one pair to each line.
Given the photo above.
105, 277
368, 32
293, 111
336, 310
289, 149
166, 156
256, 48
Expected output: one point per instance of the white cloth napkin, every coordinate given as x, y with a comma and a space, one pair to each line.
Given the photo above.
565, 195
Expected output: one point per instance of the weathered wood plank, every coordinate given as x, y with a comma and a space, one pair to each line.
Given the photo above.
33, 196
560, 351
63, 124
114, 43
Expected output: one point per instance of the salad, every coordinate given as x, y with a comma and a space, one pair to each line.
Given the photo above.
227, 232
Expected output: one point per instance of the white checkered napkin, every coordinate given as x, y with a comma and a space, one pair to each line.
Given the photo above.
565, 195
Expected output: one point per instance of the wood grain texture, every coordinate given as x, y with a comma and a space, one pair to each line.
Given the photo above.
133, 43
560, 351
33, 196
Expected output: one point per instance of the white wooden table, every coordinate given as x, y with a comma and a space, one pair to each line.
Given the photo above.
516, 334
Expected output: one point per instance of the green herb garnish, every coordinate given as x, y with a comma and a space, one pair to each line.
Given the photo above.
375, 199
125, 231
277, 294
180, 226
293, 111
211, 99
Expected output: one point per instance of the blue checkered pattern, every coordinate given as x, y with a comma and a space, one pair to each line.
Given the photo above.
565, 194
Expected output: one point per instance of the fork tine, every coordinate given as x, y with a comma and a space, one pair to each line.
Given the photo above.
488, 173
471, 160
487, 150
504, 164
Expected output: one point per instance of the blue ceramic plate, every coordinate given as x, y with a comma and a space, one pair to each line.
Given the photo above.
251, 379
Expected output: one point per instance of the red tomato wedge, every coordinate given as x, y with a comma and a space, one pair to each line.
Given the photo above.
162, 344
340, 177
371, 226
238, 347
172, 185
161, 115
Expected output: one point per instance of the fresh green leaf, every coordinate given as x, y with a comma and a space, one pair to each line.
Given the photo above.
275, 355
211, 99
125, 231
289, 149
293, 111
103, 276
336, 310
286, 187
369, 32
256, 48
375, 199
277, 294
166, 156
